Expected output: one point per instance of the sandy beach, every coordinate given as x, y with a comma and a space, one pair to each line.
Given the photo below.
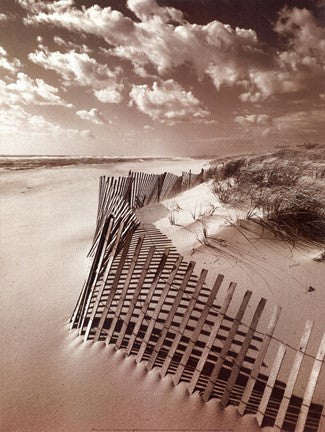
51, 380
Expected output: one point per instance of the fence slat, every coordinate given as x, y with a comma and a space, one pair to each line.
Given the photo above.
242, 353
259, 360
98, 268
170, 316
197, 330
183, 323
293, 375
125, 288
134, 299
114, 286
157, 310
214, 333
229, 340
270, 384
312, 382
146, 303
104, 280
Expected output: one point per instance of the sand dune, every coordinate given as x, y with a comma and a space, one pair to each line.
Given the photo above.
50, 380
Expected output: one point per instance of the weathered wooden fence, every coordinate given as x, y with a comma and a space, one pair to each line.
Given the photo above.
143, 297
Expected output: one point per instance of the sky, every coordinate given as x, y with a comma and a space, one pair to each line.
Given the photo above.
160, 77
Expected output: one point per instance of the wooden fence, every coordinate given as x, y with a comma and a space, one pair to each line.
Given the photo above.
144, 298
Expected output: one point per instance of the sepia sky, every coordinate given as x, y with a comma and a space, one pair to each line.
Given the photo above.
160, 77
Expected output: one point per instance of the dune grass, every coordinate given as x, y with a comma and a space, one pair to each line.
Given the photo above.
285, 187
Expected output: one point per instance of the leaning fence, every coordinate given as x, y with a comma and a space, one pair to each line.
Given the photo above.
143, 297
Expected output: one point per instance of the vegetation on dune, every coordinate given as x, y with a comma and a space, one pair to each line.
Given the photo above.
283, 190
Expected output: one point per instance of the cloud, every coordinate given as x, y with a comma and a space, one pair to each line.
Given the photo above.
292, 126
160, 37
10, 65
253, 120
15, 120
26, 91
168, 103
301, 122
3, 17
299, 66
71, 45
149, 9
93, 115
81, 70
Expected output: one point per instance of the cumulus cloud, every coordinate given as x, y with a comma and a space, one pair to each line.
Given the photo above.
15, 120
80, 69
168, 102
26, 90
160, 37
298, 66
93, 115
3, 17
11, 65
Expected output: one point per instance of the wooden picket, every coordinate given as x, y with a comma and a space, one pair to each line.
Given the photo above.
143, 297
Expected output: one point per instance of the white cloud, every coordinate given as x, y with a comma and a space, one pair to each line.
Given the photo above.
3, 17
25, 91
12, 65
301, 122
149, 9
80, 69
254, 120
168, 103
71, 45
162, 38
291, 126
15, 120
93, 115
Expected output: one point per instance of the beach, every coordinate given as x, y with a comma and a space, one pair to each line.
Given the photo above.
51, 379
